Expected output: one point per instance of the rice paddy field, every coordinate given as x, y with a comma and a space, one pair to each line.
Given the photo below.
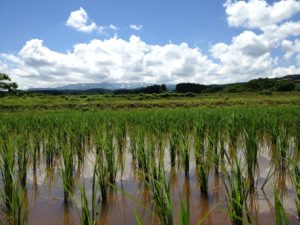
236, 164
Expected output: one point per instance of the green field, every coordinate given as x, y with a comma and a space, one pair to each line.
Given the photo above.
164, 100
176, 159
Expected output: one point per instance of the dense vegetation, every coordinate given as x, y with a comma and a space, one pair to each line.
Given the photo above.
6, 85
266, 85
225, 141
42, 102
285, 84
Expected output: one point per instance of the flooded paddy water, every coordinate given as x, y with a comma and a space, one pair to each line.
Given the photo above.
130, 192
206, 167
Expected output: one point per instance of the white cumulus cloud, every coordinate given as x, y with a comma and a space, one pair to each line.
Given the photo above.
259, 13
113, 59
136, 27
79, 20
268, 28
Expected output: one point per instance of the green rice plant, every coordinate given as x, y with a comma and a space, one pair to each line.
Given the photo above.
67, 171
236, 194
213, 133
34, 150
18, 214
281, 217
144, 154
7, 162
22, 159
296, 181
282, 148
110, 156
160, 190
174, 143
88, 217
49, 150
185, 153
250, 155
203, 155
88, 211
133, 148
184, 211
101, 169
203, 164
121, 135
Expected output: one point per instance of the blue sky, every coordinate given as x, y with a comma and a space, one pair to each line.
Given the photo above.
195, 22
51, 43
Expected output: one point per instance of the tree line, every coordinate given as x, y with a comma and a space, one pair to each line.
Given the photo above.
283, 84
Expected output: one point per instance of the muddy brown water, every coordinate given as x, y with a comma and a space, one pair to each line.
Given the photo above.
45, 196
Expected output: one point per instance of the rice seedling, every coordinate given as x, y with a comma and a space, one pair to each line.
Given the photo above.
34, 150
87, 216
101, 170
185, 154
7, 170
203, 168
296, 181
22, 160
144, 155
250, 155
213, 136
121, 136
184, 211
18, 214
174, 143
67, 171
282, 148
110, 156
281, 217
160, 190
236, 194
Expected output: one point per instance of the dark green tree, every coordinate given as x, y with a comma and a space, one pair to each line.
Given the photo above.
6, 84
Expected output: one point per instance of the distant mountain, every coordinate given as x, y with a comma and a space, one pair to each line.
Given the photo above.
110, 87
294, 78
102, 87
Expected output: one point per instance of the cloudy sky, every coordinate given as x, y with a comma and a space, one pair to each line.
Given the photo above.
58, 42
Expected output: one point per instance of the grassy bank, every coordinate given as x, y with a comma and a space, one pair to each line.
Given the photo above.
164, 100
